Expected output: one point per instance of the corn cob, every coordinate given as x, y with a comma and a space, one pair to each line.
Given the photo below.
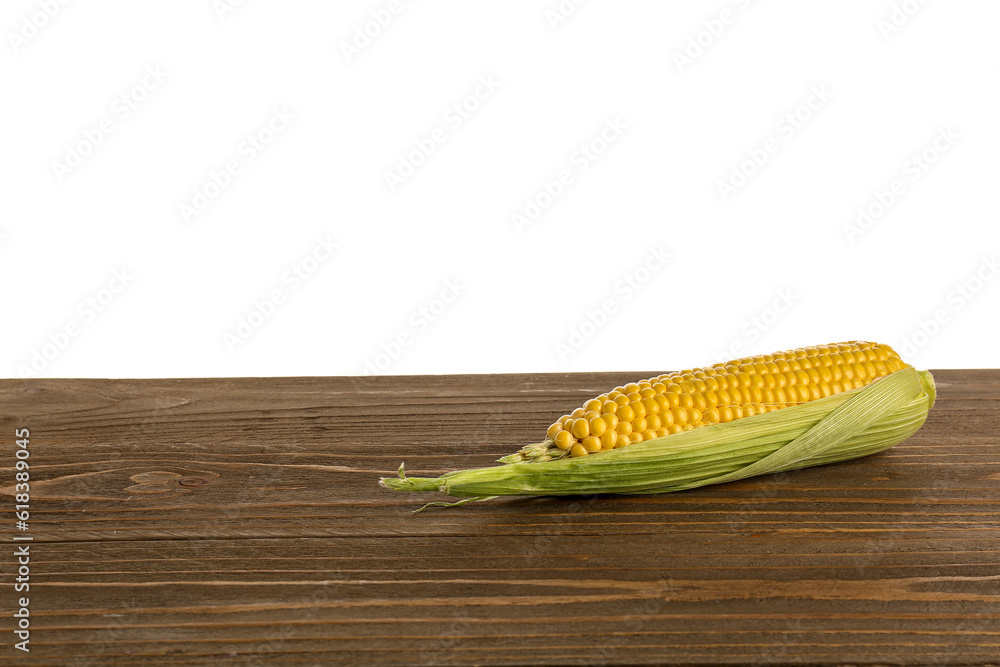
749, 416
690, 399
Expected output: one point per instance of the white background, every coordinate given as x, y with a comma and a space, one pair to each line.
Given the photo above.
893, 76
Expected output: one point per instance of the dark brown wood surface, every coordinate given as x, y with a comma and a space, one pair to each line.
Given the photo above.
240, 520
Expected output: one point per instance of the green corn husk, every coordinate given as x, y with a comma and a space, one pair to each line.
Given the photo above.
836, 428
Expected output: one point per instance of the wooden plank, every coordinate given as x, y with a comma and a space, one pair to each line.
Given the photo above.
239, 520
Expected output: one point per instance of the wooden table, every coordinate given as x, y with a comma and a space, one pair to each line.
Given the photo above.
240, 520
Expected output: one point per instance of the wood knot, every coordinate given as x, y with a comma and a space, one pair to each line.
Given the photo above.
155, 481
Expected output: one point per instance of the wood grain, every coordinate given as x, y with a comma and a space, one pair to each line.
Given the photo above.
239, 521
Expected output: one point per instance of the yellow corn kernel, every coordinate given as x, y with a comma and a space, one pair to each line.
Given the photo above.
609, 439
650, 406
680, 415
564, 440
